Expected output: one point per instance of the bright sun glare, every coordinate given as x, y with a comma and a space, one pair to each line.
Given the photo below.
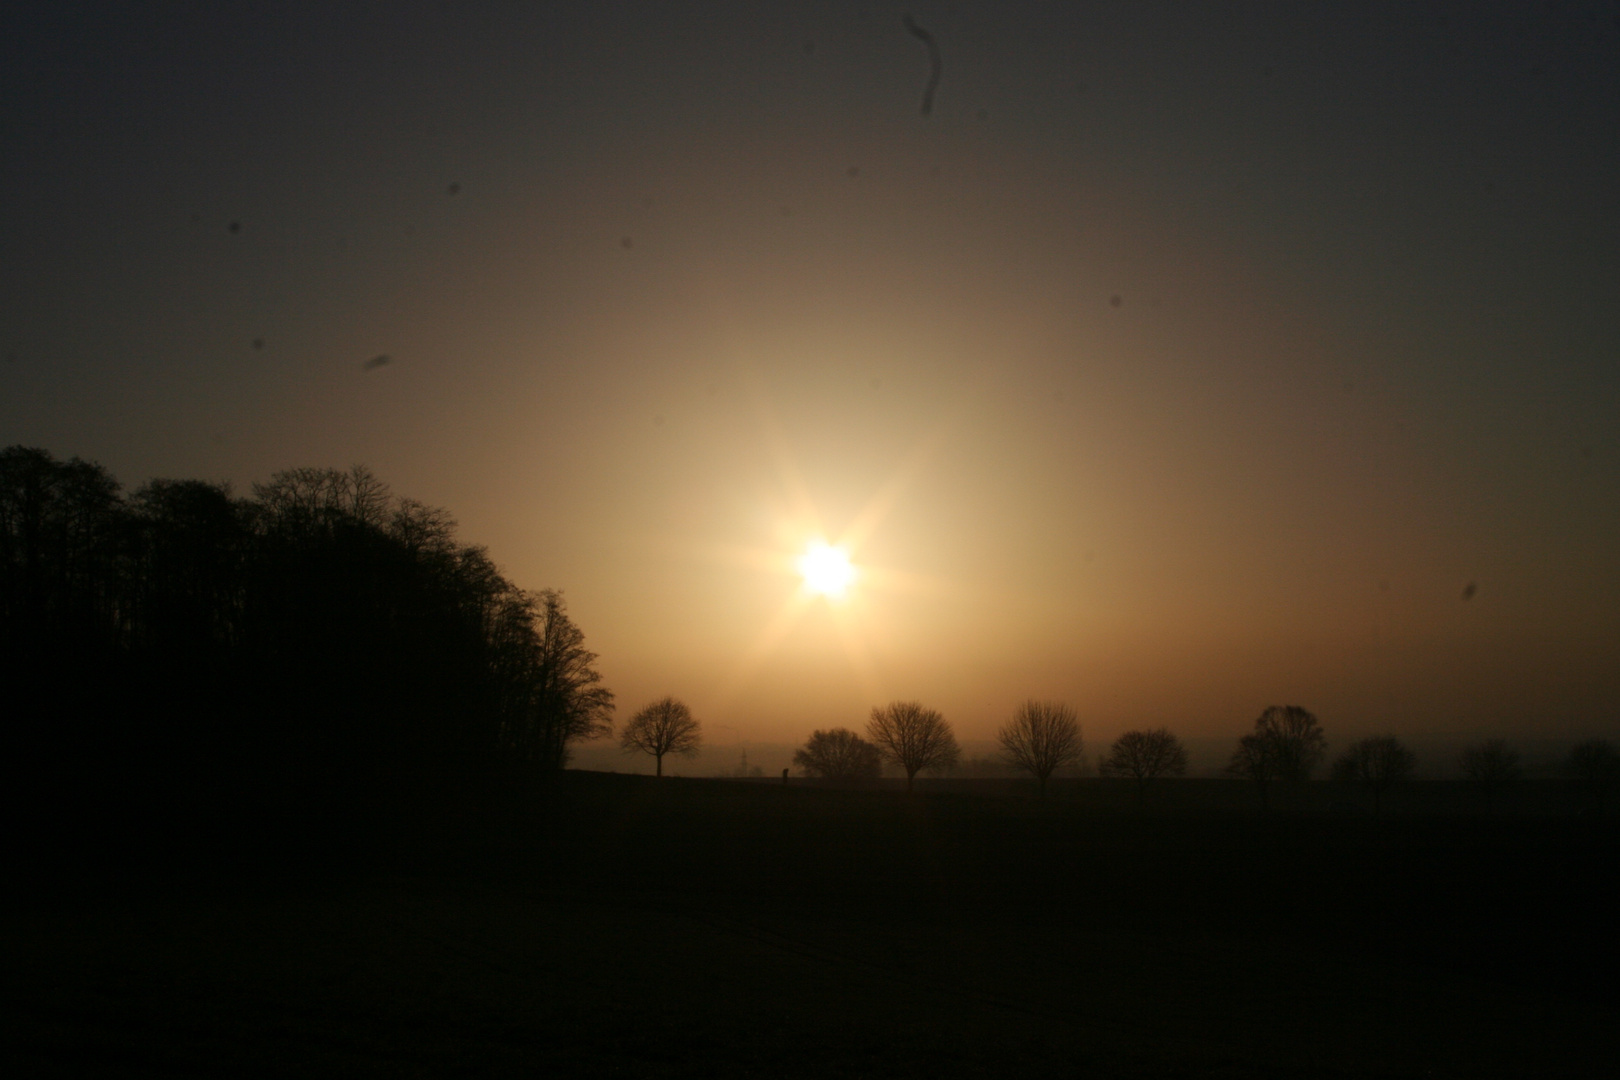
826, 569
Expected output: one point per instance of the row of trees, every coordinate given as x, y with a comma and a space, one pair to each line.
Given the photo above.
1040, 738
903, 733
321, 639
1285, 747
1287, 744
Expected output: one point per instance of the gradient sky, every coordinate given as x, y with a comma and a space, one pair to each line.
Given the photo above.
1187, 359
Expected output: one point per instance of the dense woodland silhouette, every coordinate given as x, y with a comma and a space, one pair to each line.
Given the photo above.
320, 644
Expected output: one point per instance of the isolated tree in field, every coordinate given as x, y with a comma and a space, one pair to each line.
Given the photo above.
1146, 755
1595, 765
839, 754
1041, 738
1285, 745
912, 737
1492, 768
1376, 764
664, 727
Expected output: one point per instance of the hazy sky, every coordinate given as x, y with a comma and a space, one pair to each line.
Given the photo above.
1187, 359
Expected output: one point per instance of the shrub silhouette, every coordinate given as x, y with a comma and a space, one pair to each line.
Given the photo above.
1376, 764
1285, 745
1492, 768
1146, 755
1595, 765
839, 754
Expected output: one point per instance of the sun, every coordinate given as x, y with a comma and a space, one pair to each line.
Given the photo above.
826, 569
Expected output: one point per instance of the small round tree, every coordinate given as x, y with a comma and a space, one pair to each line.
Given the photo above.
1595, 766
1146, 755
1492, 767
664, 727
1285, 745
913, 737
839, 754
1041, 737
1376, 764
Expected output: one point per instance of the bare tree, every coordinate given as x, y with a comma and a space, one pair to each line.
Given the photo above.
1285, 745
1041, 737
839, 754
913, 737
1377, 764
1595, 765
1492, 768
1146, 755
664, 727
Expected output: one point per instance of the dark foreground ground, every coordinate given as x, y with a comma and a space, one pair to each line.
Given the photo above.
618, 926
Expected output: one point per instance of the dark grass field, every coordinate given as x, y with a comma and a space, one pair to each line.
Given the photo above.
620, 926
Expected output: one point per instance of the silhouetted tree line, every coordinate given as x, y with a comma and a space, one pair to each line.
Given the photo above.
318, 642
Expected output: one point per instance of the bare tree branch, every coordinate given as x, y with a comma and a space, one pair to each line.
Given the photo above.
664, 727
913, 737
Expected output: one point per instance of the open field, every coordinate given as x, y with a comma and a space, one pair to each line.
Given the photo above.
618, 926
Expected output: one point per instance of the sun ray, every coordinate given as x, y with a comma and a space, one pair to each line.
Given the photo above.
781, 624
860, 657
827, 570
877, 507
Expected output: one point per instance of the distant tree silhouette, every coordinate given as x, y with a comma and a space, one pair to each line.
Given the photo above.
1285, 745
839, 754
1146, 755
912, 737
1041, 738
1492, 768
1376, 764
664, 727
1595, 765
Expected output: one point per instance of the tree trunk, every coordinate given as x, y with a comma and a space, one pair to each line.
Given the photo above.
660, 759
910, 776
